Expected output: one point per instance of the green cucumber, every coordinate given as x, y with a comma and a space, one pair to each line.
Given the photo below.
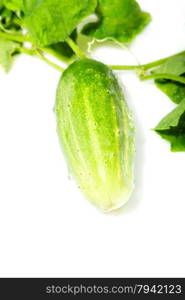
96, 132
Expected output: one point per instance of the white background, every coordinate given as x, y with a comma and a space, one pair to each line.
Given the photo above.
46, 227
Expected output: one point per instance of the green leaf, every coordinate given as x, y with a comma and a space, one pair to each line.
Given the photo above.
8, 49
13, 4
52, 21
9, 20
174, 66
119, 19
173, 89
172, 128
62, 49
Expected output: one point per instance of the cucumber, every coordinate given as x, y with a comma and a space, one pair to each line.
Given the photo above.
96, 133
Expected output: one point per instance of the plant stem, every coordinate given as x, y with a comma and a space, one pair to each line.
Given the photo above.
30, 52
126, 68
161, 61
12, 37
40, 55
145, 66
49, 62
75, 48
164, 76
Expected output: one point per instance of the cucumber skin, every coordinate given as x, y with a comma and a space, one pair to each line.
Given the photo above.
96, 133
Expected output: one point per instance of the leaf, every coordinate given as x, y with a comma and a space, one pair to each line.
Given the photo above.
172, 128
9, 20
62, 48
119, 19
52, 21
174, 66
8, 50
13, 4
173, 89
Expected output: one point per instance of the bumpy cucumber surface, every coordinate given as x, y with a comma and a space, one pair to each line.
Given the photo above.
96, 132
